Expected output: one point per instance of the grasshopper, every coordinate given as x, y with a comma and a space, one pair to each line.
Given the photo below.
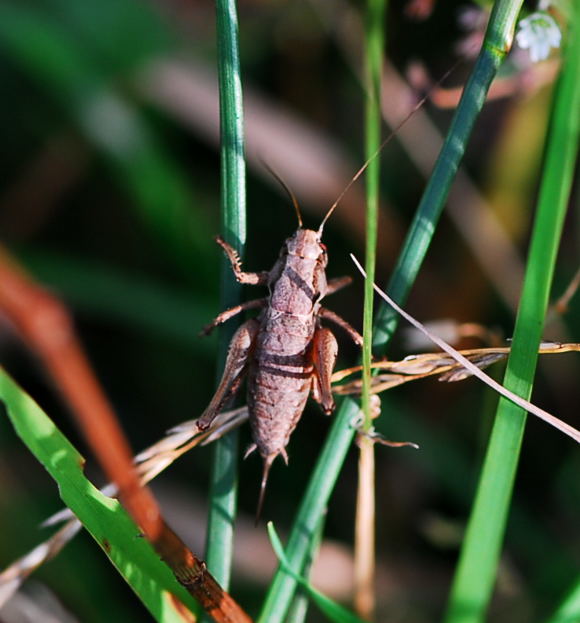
285, 352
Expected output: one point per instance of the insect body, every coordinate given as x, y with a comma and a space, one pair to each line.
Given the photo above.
285, 352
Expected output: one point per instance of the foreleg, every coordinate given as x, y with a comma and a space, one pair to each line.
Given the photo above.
330, 315
324, 352
236, 363
253, 279
231, 312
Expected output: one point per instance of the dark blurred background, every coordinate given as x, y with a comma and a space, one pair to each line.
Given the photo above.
110, 198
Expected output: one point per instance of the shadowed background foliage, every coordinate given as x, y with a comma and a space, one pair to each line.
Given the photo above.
110, 196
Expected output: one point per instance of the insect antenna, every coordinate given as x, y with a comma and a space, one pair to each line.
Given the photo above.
285, 186
415, 108
267, 464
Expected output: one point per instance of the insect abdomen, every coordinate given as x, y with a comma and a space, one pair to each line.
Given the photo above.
280, 378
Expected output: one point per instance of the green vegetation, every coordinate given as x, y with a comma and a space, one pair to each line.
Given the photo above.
111, 195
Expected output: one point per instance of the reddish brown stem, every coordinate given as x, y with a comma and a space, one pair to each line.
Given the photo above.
192, 574
46, 327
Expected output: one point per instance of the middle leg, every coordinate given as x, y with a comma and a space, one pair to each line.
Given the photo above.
231, 312
336, 284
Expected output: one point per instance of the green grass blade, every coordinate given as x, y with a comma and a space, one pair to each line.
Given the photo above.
477, 567
103, 517
497, 42
498, 38
569, 610
364, 529
223, 502
374, 39
333, 611
103, 290
299, 607
81, 84
311, 510
134, 31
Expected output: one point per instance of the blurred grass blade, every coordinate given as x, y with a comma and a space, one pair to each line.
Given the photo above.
103, 290
161, 194
299, 607
103, 517
364, 547
497, 41
223, 498
374, 41
476, 572
311, 509
135, 31
569, 610
332, 610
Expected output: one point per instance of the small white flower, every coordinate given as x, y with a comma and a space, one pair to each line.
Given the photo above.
538, 32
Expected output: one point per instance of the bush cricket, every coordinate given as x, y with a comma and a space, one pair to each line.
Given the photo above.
285, 352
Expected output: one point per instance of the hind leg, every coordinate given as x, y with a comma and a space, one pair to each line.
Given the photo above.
236, 363
324, 352
343, 324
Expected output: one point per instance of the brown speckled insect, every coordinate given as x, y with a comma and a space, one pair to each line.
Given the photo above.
285, 351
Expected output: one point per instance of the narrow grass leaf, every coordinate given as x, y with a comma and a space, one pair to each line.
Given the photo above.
223, 497
374, 43
81, 84
103, 517
569, 609
364, 545
312, 507
497, 41
477, 568
475, 371
496, 44
334, 611
299, 607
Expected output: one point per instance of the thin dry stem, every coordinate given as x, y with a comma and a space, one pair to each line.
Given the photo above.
563, 427
420, 366
13, 576
364, 541
561, 305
